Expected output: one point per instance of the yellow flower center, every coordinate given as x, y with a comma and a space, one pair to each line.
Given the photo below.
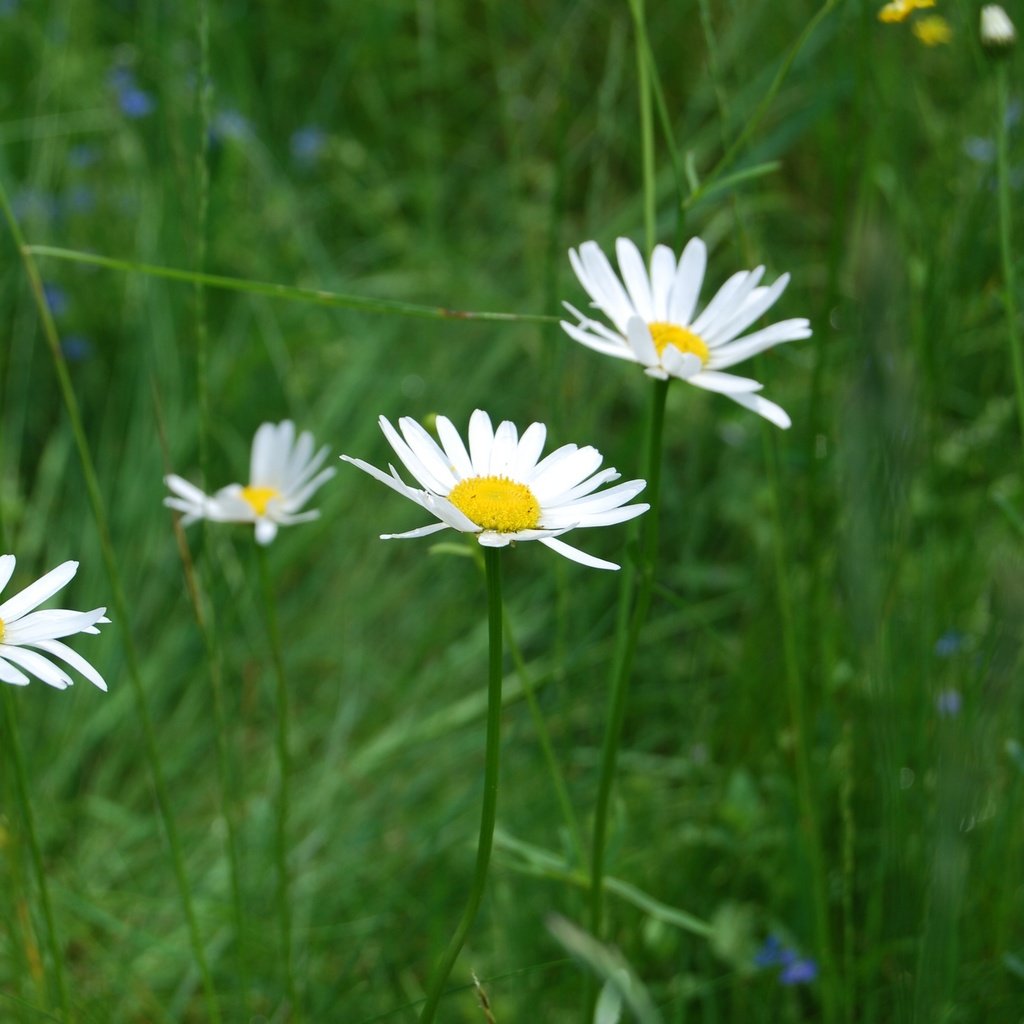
259, 497
678, 337
2, 631
496, 503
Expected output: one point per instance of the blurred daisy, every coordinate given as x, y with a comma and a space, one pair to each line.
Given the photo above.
27, 636
655, 321
900, 10
500, 489
997, 30
282, 478
933, 30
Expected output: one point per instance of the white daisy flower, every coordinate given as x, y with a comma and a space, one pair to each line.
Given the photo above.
997, 30
500, 489
282, 478
656, 324
27, 636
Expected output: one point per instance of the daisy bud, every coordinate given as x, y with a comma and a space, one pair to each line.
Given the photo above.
997, 32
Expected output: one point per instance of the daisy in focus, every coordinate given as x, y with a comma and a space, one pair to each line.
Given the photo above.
655, 320
283, 476
500, 489
30, 640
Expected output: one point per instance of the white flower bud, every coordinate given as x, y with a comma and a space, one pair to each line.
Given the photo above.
997, 31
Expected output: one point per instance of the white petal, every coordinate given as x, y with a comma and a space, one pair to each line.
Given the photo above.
634, 275
50, 624
490, 539
43, 588
391, 481
294, 500
459, 461
617, 349
266, 530
75, 660
412, 462
429, 453
769, 410
576, 555
759, 301
689, 278
663, 269
38, 666
683, 365
503, 451
481, 437
605, 288
9, 674
7, 563
584, 488
567, 472
641, 342
724, 383
727, 300
768, 337
531, 444
423, 531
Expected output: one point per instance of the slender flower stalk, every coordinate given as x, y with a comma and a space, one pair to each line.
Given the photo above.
488, 812
284, 773
1006, 234
12, 742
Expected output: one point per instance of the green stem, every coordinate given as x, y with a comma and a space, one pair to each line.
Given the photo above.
21, 787
119, 603
1005, 244
492, 758
644, 78
626, 643
284, 772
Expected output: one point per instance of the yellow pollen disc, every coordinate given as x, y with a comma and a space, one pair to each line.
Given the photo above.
259, 497
495, 503
678, 337
2, 631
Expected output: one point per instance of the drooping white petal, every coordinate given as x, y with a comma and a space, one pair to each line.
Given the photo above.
35, 664
617, 349
725, 383
769, 410
74, 659
9, 674
422, 531
35, 593
575, 555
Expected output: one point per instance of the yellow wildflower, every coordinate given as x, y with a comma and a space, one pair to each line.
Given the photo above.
933, 31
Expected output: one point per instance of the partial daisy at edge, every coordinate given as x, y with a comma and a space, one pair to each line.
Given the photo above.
30, 640
655, 323
499, 489
284, 473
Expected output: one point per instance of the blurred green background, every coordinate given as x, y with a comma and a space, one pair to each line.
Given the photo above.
448, 154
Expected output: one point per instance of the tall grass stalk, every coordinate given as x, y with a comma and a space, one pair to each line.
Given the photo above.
625, 648
1005, 235
13, 743
119, 604
488, 813
284, 912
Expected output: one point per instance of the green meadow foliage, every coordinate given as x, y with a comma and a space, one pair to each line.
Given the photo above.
817, 808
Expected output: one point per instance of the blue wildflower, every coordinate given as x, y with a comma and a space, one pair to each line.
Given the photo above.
307, 144
56, 299
800, 971
949, 643
771, 954
133, 101
230, 124
76, 348
948, 703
